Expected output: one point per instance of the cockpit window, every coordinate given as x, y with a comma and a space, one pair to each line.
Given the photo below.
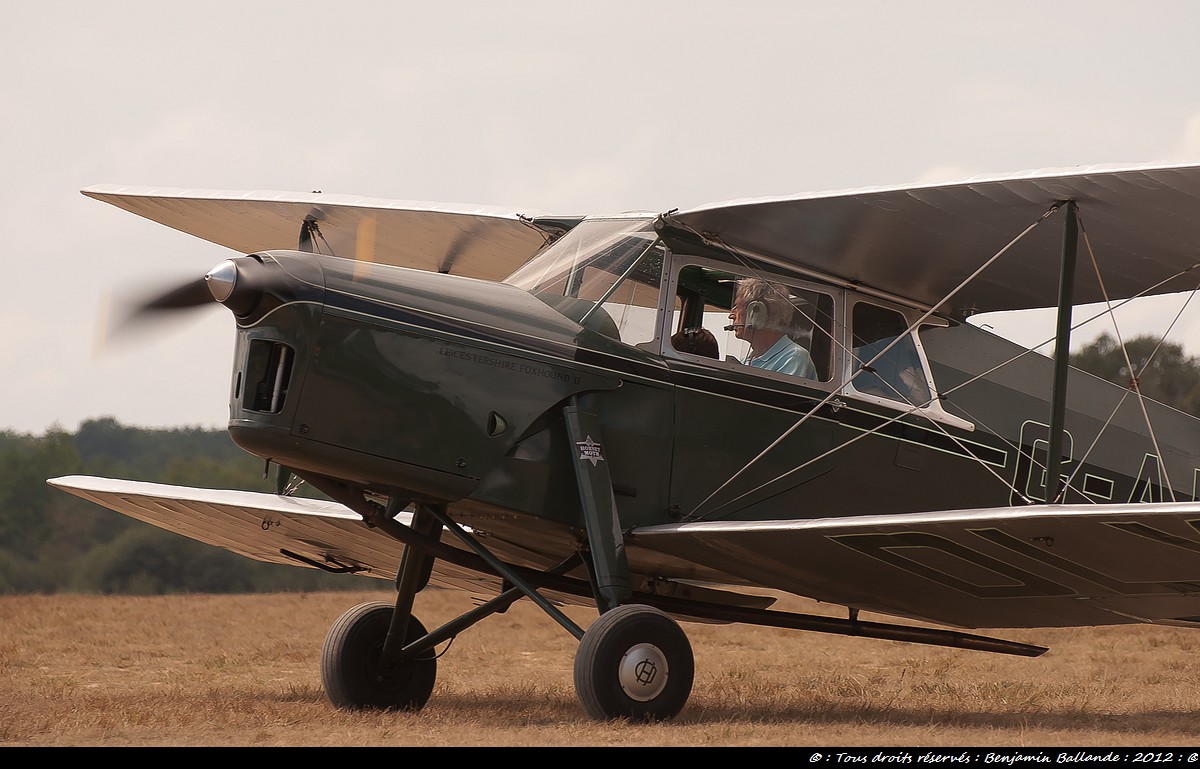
766, 324
604, 274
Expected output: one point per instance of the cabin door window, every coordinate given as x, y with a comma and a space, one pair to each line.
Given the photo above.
884, 359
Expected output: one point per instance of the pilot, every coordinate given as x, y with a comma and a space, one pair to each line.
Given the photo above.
762, 316
697, 341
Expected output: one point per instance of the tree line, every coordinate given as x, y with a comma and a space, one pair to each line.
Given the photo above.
51, 541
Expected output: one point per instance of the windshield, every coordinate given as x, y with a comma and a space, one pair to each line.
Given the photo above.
604, 273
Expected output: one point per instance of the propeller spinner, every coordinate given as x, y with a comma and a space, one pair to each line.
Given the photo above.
228, 283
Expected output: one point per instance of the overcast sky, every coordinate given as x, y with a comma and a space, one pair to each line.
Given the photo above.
562, 107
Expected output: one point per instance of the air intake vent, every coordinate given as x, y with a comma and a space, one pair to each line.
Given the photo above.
268, 371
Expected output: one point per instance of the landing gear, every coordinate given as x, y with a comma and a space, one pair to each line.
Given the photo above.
634, 662
351, 669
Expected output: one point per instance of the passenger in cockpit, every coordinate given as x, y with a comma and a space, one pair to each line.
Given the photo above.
697, 341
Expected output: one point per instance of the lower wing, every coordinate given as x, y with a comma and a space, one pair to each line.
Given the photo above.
269, 528
1036, 566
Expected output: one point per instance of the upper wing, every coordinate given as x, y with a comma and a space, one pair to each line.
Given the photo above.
478, 242
268, 527
920, 243
1036, 566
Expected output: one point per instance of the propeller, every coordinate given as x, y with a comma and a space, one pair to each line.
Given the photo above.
121, 317
456, 249
237, 283
193, 293
155, 307
238, 288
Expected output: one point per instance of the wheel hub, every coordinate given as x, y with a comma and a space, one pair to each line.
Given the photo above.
643, 672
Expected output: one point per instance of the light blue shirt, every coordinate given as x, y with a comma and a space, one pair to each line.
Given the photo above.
786, 357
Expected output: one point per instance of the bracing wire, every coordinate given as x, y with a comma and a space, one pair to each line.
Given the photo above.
1129, 367
695, 514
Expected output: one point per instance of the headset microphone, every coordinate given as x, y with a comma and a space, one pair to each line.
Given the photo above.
756, 316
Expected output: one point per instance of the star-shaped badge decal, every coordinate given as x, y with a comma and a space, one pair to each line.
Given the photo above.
590, 450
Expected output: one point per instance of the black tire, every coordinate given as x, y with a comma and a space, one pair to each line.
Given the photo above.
350, 668
634, 662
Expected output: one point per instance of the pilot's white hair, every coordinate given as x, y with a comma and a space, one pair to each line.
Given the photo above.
774, 295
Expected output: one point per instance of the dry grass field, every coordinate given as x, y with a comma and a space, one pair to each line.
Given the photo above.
243, 671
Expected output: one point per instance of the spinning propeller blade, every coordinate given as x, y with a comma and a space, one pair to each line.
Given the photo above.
193, 293
120, 318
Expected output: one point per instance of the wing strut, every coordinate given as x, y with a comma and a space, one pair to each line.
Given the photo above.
1062, 356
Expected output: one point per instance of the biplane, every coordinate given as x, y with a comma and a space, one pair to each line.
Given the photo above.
511, 403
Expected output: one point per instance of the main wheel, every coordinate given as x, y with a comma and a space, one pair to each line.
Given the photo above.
350, 665
634, 662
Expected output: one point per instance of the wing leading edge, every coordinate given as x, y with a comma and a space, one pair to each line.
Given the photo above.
1036, 566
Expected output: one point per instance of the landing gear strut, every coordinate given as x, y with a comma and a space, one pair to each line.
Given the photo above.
634, 661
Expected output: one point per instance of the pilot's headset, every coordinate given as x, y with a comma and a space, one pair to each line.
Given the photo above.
756, 314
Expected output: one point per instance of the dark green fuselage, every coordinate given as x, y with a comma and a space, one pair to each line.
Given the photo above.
439, 388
